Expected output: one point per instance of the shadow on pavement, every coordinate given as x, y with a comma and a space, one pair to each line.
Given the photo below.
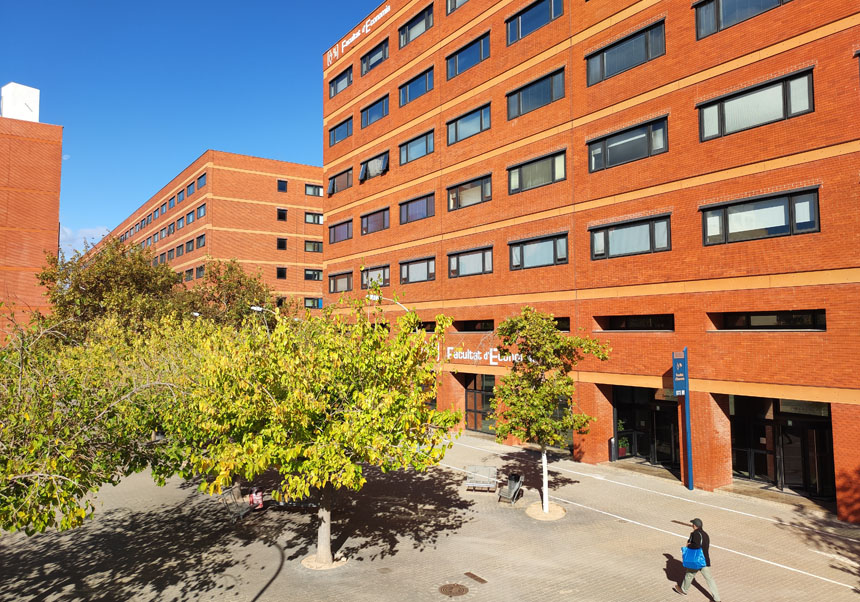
675, 573
527, 463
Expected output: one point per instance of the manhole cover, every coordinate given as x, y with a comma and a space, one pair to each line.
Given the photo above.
453, 589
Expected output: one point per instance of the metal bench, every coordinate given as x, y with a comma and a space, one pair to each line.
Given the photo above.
236, 505
513, 490
481, 477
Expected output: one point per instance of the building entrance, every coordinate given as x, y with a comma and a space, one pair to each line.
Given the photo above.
479, 394
646, 426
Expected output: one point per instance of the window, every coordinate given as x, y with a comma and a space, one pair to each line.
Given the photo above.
313, 218
180, 196
418, 270
170, 254
374, 112
171, 228
536, 94
201, 270
190, 189
625, 54
180, 223
373, 58
474, 325
416, 26
189, 218
340, 182
643, 322
340, 232
417, 86
201, 181
533, 18
416, 209
180, 250
538, 252
809, 319
340, 283
313, 275
281, 244
416, 148
313, 190
149, 241
469, 56
340, 132
455, 4
155, 237
171, 203
763, 104
378, 275
281, 273
470, 263
163, 208
149, 219
374, 222
340, 83
371, 168
282, 215
538, 172
468, 125
313, 246
787, 214
282, 185
631, 238
189, 274
715, 15
201, 211
189, 246
469, 193
313, 303
162, 258
562, 324
630, 145
201, 241
163, 233
137, 228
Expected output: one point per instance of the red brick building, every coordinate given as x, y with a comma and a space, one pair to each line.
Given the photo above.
264, 213
656, 174
31, 156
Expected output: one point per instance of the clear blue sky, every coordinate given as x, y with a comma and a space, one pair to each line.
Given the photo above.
142, 89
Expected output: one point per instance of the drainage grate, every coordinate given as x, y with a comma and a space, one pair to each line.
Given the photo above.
453, 589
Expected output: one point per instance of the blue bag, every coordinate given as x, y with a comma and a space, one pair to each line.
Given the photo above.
692, 559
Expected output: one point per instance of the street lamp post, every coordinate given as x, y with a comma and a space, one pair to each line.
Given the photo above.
380, 297
260, 311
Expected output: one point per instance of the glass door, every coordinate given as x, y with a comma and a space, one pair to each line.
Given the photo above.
479, 396
666, 445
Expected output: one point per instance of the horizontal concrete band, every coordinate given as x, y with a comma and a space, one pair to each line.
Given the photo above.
697, 385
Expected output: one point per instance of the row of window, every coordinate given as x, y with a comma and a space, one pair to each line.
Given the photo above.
310, 189
803, 319
311, 217
174, 226
162, 209
179, 251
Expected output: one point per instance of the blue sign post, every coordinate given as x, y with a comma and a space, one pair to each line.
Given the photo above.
681, 380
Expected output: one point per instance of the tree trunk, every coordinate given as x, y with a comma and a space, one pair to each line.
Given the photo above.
545, 478
324, 555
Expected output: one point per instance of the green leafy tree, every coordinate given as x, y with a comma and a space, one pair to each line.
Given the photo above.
527, 400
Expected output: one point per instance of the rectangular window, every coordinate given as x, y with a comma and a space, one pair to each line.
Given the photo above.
180, 223
163, 208
642, 322
760, 105
162, 258
470, 263
340, 232
313, 246
468, 56
201, 241
149, 241
282, 215
371, 168
189, 218
634, 50
189, 246
468, 125
201, 211
190, 189
374, 222
802, 319
180, 196
761, 217
171, 203
281, 244
469, 193
340, 283
537, 94
201, 181
313, 303
455, 4
474, 325
180, 250
340, 83
416, 148
137, 228
313, 190
373, 58
171, 228
313, 218
416, 209
533, 18
419, 270
163, 233
282, 185
340, 132
155, 237
715, 15
538, 172
170, 254
200, 271
281, 273
189, 274
538, 252
417, 86
313, 275
378, 275
630, 145
416, 26
340, 182
149, 219
631, 238
374, 112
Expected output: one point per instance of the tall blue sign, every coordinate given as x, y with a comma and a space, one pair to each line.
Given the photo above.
681, 380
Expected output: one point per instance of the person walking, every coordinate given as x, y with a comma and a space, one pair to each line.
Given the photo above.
699, 540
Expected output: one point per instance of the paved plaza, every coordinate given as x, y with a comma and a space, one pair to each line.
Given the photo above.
405, 535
